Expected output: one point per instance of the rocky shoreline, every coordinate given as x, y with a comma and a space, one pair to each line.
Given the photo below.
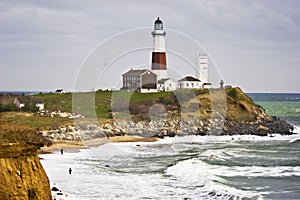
204, 114
166, 128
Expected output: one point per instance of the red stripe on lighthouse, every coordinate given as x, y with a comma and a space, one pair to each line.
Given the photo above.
159, 61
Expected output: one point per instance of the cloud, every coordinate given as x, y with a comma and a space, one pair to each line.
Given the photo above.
243, 37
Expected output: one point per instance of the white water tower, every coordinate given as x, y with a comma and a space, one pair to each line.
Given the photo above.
202, 68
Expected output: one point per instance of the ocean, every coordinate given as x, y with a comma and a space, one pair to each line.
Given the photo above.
285, 106
190, 167
26, 93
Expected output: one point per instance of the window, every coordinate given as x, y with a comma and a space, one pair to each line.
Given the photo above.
187, 84
158, 26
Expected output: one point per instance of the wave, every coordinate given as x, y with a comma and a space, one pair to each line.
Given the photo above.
254, 171
297, 129
230, 139
212, 178
198, 174
295, 140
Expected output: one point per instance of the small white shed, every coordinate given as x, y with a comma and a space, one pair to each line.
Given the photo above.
166, 84
189, 82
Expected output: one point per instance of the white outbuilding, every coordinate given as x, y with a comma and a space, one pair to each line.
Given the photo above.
166, 84
189, 82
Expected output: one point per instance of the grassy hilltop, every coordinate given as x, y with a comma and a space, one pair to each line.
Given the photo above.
239, 105
102, 100
107, 105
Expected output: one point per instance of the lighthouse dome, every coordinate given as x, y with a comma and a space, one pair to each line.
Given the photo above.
158, 25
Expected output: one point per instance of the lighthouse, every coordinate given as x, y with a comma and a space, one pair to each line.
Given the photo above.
159, 60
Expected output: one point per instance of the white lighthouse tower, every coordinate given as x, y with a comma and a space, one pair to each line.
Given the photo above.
159, 60
202, 68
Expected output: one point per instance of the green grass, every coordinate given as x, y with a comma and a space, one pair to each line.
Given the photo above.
238, 95
139, 97
55, 102
96, 104
100, 104
89, 104
31, 120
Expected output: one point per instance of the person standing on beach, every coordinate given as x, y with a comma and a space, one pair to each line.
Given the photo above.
70, 171
61, 151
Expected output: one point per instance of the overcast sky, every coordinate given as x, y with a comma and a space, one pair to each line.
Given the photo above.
254, 44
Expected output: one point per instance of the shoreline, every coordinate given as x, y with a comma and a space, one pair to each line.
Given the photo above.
74, 146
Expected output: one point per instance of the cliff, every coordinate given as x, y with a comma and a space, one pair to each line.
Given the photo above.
21, 173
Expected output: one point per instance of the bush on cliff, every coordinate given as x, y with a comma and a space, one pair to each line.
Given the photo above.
22, 135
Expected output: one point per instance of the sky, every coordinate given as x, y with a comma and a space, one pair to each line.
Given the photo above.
45, 45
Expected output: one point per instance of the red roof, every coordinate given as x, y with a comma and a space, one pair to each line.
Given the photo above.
189, 78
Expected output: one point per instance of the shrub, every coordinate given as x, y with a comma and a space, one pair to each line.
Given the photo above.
30, 107
8, 108
233, 93
21, 134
